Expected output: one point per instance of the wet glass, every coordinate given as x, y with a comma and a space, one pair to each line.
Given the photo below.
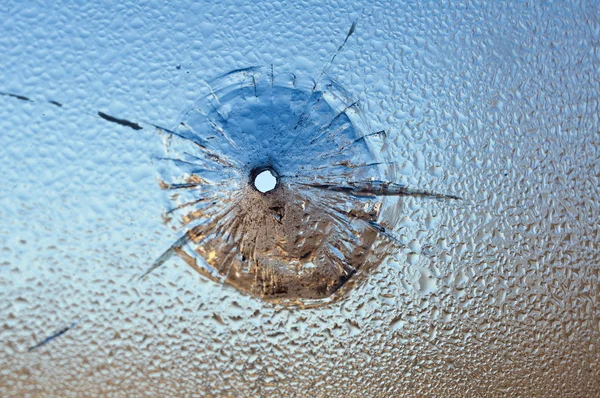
428, 227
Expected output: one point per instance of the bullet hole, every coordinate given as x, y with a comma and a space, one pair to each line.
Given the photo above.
265, 180
299, 230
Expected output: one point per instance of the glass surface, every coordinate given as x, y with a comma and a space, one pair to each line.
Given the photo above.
492, 293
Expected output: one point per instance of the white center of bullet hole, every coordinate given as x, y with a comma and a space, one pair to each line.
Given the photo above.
265, 181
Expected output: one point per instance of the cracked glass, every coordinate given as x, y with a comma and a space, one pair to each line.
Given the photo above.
299, 199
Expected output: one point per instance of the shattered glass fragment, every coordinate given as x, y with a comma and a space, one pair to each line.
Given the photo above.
303, 240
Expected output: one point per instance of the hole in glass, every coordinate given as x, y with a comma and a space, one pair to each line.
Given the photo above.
265, 181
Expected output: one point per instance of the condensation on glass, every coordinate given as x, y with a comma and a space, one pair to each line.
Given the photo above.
491, 295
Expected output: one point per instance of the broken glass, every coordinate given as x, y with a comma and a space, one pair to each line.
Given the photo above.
305, 239
404, 291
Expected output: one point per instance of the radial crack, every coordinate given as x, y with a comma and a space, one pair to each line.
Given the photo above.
378, 188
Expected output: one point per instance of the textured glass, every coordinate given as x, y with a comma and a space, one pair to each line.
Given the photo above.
492, 294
